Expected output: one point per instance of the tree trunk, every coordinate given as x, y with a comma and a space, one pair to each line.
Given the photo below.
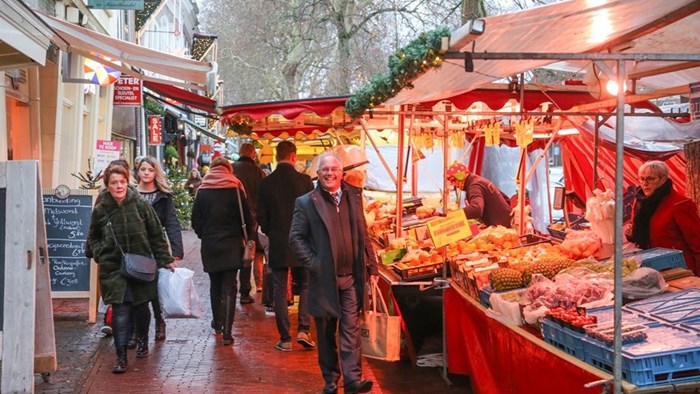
692, 171
472, 9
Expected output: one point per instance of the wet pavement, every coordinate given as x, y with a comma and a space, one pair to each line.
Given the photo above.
192, 359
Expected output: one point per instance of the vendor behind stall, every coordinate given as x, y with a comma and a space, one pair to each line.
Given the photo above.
663, 217
483, 201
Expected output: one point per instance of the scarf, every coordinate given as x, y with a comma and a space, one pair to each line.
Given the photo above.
644, 210
220, 178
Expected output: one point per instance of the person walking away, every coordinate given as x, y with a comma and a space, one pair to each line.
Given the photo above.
216, 220
275, 206
194, 180
329, 236
250, 174
664, 218
123, 215
154, 188
483, 201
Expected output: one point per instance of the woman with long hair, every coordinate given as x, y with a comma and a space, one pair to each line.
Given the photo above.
193, 182
124, 221
154, 188
217, 221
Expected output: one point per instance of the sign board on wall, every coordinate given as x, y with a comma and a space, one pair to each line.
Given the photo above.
105, 152
155, 125
127, 92
116, 4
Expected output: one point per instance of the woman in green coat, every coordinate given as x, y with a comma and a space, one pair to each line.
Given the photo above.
138, 231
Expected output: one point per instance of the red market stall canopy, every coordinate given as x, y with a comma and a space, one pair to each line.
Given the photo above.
299, 119
183, 96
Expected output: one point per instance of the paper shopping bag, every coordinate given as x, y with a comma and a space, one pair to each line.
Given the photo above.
381, 333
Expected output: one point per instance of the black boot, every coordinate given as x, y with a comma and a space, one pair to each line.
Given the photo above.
142, 347
120, 366
217, 326
160, 330
229, 309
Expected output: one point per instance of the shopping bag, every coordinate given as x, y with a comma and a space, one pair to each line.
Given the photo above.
177, 294
381, 333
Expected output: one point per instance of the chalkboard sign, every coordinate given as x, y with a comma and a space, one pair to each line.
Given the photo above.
67, 224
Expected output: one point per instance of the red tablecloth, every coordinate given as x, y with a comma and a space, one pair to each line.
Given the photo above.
500, 360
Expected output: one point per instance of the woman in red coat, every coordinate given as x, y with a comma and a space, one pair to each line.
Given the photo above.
663, 217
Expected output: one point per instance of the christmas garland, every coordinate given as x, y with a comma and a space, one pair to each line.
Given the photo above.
405, 65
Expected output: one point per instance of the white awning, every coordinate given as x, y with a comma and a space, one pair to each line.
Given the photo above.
577, 26
24, 38
97, 46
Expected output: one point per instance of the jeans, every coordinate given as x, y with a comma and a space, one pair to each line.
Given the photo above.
122, 317
279, 283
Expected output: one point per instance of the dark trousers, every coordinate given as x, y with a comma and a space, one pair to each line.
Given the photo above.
126, 314
279, 285
244, 277
223, 284
350, 341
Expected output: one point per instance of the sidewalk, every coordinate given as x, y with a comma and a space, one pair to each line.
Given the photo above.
191, 359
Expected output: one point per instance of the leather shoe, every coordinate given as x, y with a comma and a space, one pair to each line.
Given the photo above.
358, 386
330, 388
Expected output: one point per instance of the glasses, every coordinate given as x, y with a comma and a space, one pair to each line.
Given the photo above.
647, 179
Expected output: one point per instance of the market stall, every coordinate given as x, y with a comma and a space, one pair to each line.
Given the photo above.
547, 36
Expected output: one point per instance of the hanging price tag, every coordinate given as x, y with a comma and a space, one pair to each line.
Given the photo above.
492, 134
523, 132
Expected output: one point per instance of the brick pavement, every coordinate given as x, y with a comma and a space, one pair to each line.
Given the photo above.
192, 359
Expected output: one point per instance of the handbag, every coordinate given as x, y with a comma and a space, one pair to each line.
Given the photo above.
135, 266
248, 244
380, 332
177, 294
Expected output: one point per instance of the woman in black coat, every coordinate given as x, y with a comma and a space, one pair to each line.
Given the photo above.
154, 188
216, 219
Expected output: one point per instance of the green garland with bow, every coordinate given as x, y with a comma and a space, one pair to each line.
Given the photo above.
405, 65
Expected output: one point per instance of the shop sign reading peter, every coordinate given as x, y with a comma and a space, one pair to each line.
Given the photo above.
127, 92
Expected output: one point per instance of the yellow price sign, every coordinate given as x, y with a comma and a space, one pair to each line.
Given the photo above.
449, 229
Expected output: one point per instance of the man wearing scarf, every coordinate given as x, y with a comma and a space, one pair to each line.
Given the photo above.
663, 217
216, 219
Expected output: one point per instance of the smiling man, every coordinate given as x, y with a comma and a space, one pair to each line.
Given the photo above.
328, 235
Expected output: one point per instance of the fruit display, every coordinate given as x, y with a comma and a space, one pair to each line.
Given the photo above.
492, 238
580, 244
631, 333
548, 268
503, 279
576, 318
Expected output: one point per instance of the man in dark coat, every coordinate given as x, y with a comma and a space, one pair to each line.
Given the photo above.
275, 206
250, 174
328, 235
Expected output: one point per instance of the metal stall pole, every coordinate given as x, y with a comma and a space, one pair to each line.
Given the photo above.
400, 175
444, 285
619, 152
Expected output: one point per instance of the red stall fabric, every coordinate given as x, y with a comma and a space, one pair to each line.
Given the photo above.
183, 96
497, 98
289, 109
500, 360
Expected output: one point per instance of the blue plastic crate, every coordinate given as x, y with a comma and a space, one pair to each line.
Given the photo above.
675, 307
669, 355
658, 258
563, 338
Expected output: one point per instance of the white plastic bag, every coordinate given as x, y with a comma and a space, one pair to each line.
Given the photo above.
177, 294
